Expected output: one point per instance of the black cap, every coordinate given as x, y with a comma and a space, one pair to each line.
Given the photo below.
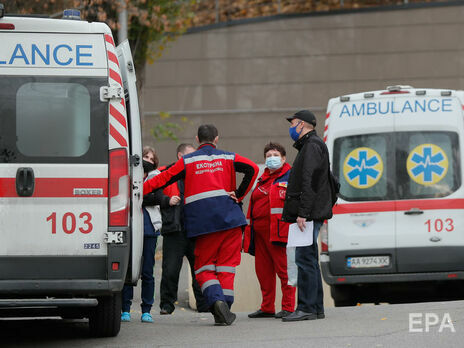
304, 115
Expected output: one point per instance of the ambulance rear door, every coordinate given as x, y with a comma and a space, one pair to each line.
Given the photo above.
53, 156
135, 139
430, 216
361, 234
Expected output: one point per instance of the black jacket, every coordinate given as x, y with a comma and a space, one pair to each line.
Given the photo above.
308, 191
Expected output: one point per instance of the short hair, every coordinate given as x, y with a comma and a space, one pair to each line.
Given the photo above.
274, 146
182, 147
207, 133
146, 150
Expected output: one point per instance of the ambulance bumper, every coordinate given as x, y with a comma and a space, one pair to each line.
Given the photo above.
386, 277
88, 287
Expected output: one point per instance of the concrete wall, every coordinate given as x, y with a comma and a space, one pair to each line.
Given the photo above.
246, 78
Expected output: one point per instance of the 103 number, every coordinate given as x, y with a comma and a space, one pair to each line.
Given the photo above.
69, 222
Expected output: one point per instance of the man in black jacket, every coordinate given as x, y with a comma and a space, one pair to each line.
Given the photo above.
308, 198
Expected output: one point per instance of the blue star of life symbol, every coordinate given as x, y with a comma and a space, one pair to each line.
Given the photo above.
362, 167
427, 164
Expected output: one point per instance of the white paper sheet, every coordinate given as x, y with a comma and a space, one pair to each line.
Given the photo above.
298, 238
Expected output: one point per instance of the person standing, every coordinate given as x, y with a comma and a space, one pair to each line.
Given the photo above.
266, 235
212, 215
176, 245
151, 230
308, 198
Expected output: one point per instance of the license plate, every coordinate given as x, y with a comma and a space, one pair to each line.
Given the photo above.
368, 261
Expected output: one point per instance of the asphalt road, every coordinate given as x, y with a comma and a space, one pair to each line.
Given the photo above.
362, 326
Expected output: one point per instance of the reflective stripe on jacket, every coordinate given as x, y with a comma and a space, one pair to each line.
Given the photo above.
278, 228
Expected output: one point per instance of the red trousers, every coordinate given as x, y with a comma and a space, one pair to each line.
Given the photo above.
216, 256
270, 260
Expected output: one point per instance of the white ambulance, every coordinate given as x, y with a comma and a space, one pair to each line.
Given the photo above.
398, 228
71, 176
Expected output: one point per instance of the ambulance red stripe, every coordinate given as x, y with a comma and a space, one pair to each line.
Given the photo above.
112, 57
109, 39
115, 76
55, 187
118, 137
118, 116
378, 207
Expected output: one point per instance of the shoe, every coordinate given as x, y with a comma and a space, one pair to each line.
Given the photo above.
165, 311
320, 315
282, 314
146, 318
260, 314
300, 315
125, 316
222, 313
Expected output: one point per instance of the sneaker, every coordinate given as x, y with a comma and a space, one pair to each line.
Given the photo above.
125, 316
146, 318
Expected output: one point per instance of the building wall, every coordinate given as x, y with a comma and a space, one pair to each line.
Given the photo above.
245, 78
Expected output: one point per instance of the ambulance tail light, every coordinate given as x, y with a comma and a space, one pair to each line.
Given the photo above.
119, 189
324, 232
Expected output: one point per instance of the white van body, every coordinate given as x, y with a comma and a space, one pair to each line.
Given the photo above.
71, 176
399, 220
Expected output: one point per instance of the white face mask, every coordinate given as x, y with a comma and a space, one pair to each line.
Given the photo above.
274, 162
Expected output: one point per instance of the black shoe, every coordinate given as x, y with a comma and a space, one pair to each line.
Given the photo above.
165, 311
222, 313
260, 314
320, 315
282, 314
300, 315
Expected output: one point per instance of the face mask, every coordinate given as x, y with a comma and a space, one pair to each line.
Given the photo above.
293, 133
148, 166
273, 162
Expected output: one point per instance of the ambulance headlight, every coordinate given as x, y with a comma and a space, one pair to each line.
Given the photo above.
2, 10
72, 14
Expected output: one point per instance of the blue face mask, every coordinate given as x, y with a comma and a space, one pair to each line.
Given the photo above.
293, 133
273, 162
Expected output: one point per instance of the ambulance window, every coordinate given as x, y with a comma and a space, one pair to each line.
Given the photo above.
53, 119
362, 163
428, 165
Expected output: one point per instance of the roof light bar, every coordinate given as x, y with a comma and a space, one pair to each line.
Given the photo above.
445, 93
344, 98
420, 92
72, 14
368, 95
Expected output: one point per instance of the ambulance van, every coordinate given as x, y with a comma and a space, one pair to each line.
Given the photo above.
397, 234
71, 177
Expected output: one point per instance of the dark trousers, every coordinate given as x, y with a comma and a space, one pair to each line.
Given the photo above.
310, 294
175, 246
148, 281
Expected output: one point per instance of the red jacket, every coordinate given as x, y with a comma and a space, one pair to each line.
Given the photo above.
278, 228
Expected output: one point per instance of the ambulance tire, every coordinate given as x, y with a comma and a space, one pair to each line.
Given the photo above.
343, 296
105, 319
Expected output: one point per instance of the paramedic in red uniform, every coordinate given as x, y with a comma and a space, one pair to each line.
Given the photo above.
212, 215
266, 235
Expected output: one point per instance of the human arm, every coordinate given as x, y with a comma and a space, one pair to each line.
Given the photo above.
174, 173
250, 171
158, 198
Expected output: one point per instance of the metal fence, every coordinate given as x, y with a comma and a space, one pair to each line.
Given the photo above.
216, 11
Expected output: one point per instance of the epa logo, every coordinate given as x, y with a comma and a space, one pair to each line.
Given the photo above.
363, 167
427, 164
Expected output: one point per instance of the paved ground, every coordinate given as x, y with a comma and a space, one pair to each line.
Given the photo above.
363, 326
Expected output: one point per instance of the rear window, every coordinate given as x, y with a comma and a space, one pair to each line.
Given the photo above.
52, 119
401, 165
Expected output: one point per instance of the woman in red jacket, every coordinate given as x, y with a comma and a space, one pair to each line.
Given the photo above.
266, 235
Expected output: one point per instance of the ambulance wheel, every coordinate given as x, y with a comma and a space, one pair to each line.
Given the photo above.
105, 319
342, 296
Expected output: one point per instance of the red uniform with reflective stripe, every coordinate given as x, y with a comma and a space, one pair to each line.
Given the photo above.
266, 235
211, 215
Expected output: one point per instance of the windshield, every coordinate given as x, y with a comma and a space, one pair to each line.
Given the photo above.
401, 165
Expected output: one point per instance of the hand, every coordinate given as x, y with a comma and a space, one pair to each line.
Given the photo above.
174, 200
233, 196
301, 222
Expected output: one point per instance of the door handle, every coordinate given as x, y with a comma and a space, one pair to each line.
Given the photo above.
25, 182
414, 211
